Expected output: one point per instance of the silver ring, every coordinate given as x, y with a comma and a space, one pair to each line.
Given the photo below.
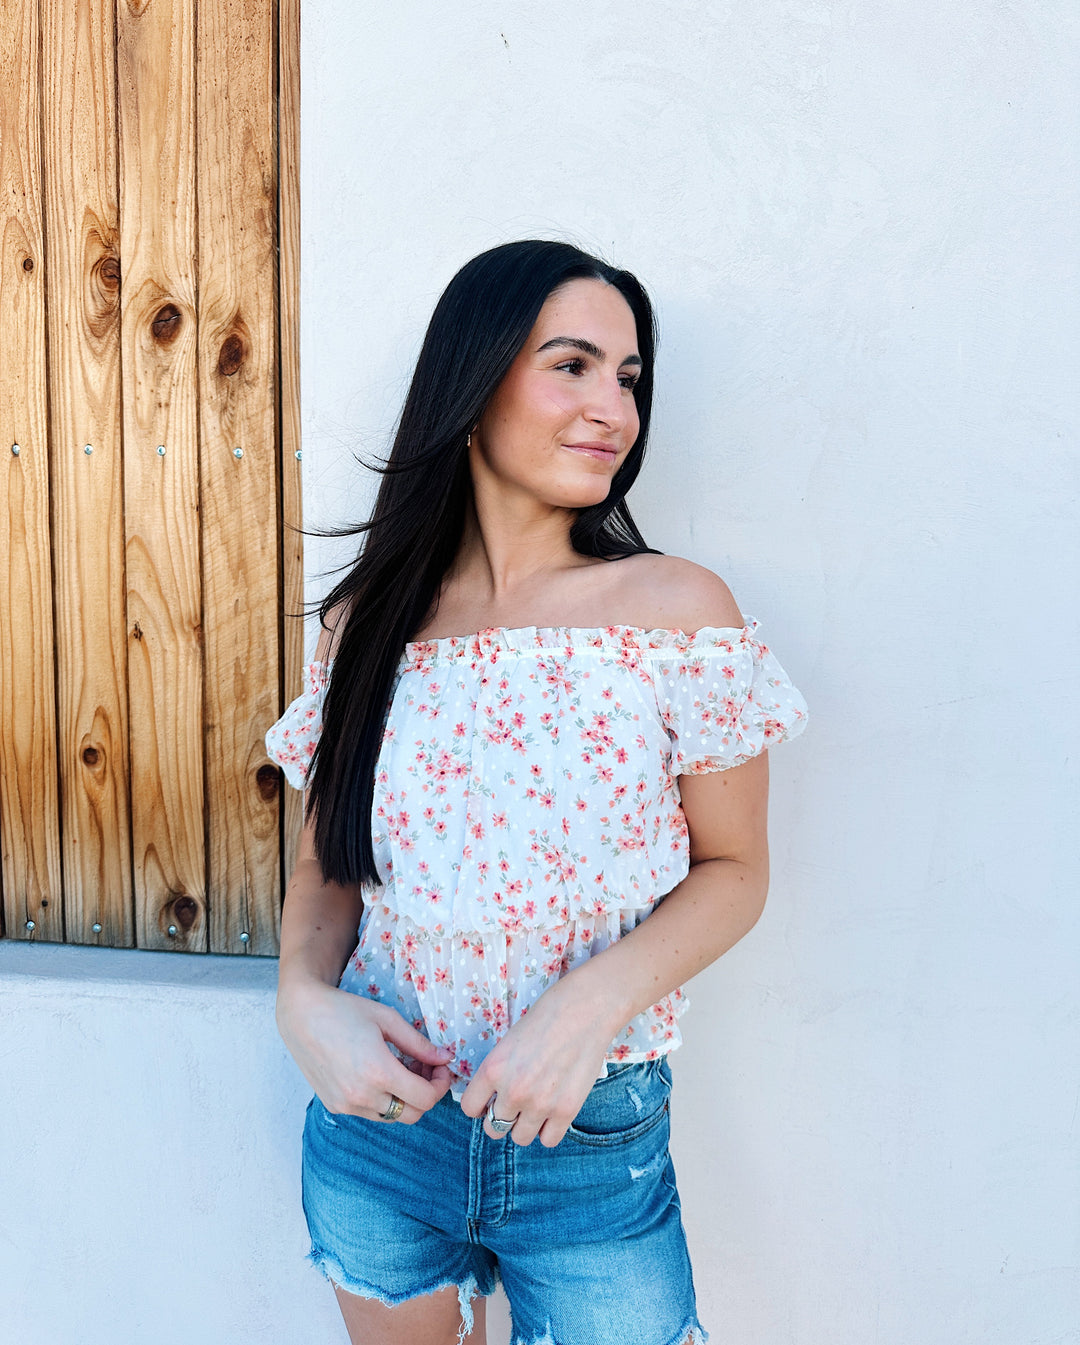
394, 1110
499, 1127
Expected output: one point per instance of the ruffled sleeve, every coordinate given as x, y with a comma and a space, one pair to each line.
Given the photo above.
724, 698
291, 741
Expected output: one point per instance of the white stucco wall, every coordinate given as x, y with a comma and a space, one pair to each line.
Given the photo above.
858, 222
149, 1128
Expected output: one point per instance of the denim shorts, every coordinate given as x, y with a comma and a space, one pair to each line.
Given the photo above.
586, 1237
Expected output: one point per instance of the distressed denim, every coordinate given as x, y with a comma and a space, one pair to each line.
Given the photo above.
586, 1237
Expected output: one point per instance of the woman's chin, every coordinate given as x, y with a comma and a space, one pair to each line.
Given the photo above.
584, 494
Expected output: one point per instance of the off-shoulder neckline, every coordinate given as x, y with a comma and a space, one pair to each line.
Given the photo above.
618, 637
525, 638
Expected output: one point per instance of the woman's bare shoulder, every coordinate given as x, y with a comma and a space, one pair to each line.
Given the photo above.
676, 594
330, 633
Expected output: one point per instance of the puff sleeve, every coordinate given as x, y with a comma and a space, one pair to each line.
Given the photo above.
723, 698
291, 741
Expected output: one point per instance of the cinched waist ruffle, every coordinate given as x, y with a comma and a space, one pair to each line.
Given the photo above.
466, 988
516, 905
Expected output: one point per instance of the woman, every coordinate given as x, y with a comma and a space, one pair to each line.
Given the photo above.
507, 685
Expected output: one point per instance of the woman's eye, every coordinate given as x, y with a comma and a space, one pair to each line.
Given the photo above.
628, 381
572, 366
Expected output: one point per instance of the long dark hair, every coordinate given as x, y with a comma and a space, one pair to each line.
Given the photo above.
479, 325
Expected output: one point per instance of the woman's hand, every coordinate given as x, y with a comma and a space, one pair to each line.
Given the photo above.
541, 1072
339, 1040
543, 1068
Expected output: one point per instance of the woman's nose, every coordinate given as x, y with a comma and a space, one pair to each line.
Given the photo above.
607, 403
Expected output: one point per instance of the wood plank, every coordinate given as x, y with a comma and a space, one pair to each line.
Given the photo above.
237, 195
83, 308
29, 795
289, 355
156, 112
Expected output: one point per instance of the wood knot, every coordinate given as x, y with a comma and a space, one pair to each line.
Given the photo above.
91, 756
185, 911
231, 356
108, 269
102, 289
166, 324
267, 779
28, 263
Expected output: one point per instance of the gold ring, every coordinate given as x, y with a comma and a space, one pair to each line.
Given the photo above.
394, 1110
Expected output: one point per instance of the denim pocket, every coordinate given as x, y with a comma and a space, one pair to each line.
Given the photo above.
624, 1106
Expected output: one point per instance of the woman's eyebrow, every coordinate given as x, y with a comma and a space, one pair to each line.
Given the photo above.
586, 347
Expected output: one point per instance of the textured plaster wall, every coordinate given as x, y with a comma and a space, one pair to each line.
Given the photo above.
150, 1132
859, 224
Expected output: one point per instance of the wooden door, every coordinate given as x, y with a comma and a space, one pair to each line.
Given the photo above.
149, 468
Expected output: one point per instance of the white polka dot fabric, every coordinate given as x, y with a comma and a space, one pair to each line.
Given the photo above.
527, 813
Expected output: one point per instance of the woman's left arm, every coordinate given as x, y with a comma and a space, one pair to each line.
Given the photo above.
543, 1068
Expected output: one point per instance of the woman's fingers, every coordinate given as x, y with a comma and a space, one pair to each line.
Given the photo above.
377, 1112
395, 1078
342, 1044
543, 1068
436, 1075
527, 1125
370, 1094
494, 1112
409, 1041
552, 1132
540, 1110
540, 1096
406, 1116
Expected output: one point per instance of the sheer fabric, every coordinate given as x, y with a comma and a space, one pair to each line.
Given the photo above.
527, 809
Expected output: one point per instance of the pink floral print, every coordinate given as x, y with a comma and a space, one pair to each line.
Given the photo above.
527, 812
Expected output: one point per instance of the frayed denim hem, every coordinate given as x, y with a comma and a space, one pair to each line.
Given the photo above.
695, 1335
333, 1271
691, 1334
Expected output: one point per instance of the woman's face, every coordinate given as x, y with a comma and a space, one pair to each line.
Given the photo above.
564, 418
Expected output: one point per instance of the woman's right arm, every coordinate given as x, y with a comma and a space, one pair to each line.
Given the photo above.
339, 1039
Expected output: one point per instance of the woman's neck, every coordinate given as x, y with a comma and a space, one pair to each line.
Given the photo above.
503, 561
530, 585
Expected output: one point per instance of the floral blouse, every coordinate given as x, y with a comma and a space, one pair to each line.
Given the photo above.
527, 814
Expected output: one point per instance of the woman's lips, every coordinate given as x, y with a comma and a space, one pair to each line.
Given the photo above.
594, 451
